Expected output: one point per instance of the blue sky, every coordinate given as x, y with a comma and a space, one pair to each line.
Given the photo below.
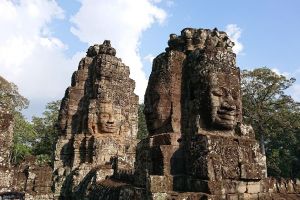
41, 41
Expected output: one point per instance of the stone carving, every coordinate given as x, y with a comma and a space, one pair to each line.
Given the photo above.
106, 119
219, 148
197, 143
213, 89
197, 148
98, 123
162, 97
192, 39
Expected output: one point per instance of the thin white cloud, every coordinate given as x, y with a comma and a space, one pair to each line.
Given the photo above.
170, 3
29, 56
122, 22
277, 71
149, 58
234, 32
295, 92
156, 1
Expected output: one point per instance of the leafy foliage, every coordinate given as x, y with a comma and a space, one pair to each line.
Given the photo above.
13, 102
275, 117
45, 126
10, 99
29, 138
23, 139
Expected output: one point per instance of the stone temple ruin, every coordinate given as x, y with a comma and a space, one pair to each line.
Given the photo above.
28, 180
98, 124
197, 147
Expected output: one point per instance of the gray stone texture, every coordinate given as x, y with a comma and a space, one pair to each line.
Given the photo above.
28, 180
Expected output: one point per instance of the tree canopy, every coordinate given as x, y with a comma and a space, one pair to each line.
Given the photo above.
46, 129
10, 97
23, 134
36, 137
275, 118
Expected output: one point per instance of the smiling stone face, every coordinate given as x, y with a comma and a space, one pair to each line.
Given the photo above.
212, 89
109, 118
224, 99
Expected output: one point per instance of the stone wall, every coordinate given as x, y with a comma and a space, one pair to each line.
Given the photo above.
26, 180
6, 129
6, 135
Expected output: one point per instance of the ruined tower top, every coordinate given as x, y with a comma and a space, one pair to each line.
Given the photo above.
191, 39
104, 48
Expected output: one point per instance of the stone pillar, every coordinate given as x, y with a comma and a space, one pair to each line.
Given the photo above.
6, 139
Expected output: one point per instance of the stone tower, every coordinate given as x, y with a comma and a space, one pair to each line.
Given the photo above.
221, 152
97, 124
197, 142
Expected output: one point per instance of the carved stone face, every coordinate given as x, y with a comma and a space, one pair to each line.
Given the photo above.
225, 100
157, 110
109, 118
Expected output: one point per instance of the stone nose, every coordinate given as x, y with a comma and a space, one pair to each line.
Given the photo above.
228, 102
228, 105
111, 119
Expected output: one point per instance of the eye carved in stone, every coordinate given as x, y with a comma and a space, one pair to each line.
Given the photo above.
104, 115
217, 92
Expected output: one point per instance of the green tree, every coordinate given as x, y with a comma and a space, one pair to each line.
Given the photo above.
10, 98
23, 138
142, 132
23, 133
46, 130
275, 117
